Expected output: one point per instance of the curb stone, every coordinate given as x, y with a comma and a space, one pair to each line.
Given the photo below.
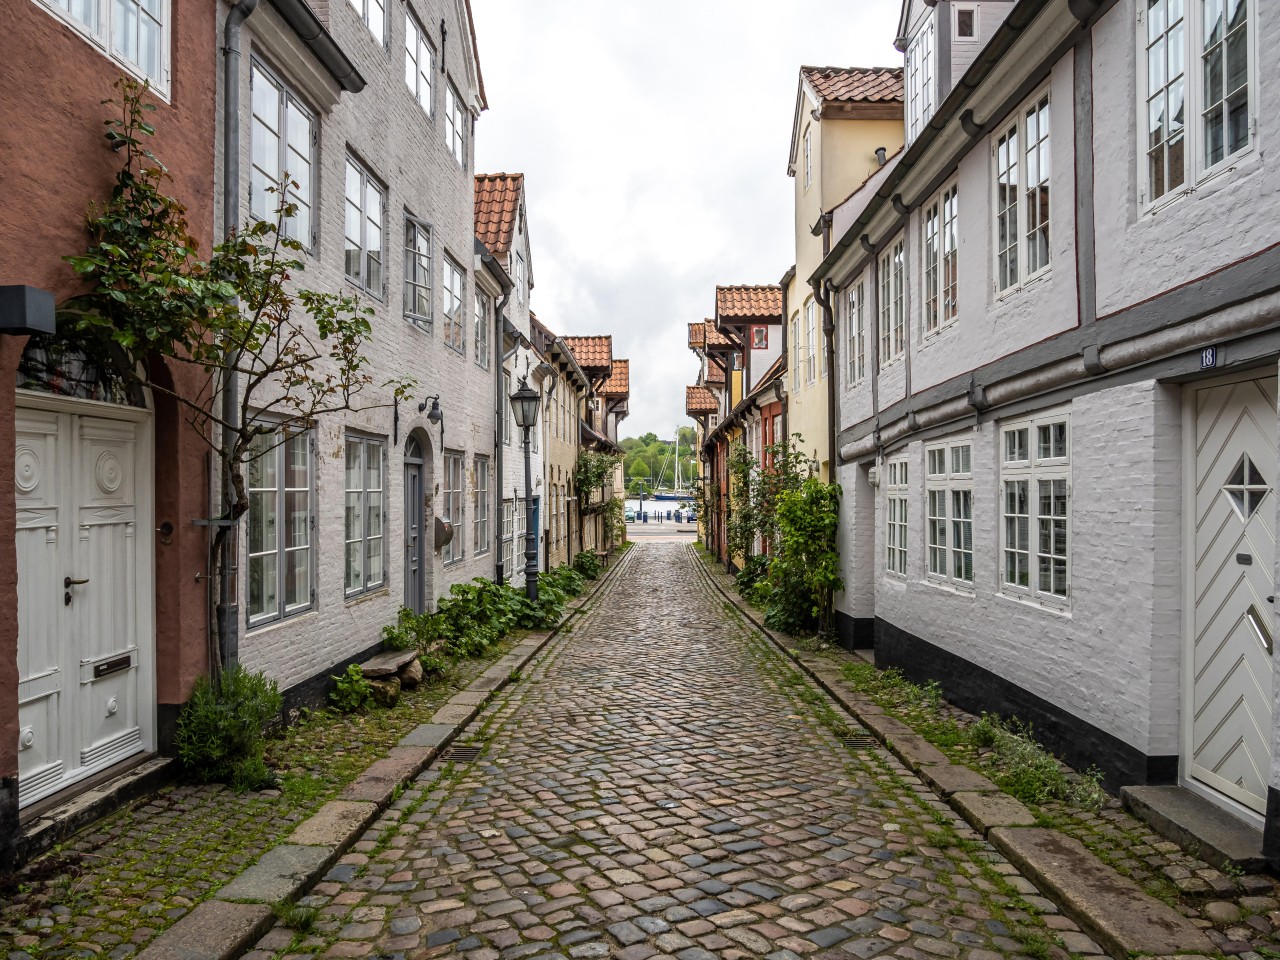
1123, 919
226, 926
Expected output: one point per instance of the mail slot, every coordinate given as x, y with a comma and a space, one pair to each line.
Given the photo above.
1244, 559
108, 667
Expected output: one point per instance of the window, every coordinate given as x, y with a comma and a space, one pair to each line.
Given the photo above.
282, 137
521, 278
482, 330
417, 273
759, 338
949, 498
453, 322
1035, 491
1022, 196
939, 256
454, 132
365, 200
419, 63
856, 327
893, 334
1218, 88
507, 412
365, 554
508, 534
374, 15
453, 511
808, 156
279, 480
966, 22
811, 354
135, 33
480, 506
796, 352
896, 517
920, 84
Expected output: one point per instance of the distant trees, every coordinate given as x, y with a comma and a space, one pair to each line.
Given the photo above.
657, 456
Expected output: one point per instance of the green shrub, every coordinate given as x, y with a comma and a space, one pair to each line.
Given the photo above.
753, 571
353, 691
220, 730
588, 564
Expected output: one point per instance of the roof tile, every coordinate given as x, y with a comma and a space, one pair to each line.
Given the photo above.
745, 302
619, 382
856, 84
592, 353
713, 337
699, 400
497, 208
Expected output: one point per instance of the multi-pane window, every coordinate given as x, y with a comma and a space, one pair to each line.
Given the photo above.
808, 156
365, 545
521, 278
940, 261
419, 63
455, 131
856, 326
453, 510
920, 84
417, 273
480, 506
896, 516
811, 355
365, 201
893, 334
278, 477
796, 352
482, 330
949, 501
134, 32
508, 534
374, 15
282, 135
453, 319
1224, 59
1022, 195
1166, 95
1035, 495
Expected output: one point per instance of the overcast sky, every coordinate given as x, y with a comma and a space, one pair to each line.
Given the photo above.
654, 138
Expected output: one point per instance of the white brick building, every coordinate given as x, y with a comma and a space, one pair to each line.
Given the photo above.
1056, 339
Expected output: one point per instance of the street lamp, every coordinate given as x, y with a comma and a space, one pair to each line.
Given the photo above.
525, 403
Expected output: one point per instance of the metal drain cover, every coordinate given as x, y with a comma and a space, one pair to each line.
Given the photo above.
860, 742
460, 754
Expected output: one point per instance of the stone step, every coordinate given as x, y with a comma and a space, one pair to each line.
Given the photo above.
1198, 826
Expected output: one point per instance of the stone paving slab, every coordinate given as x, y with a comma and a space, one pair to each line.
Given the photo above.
380, 779
455, 713
987, 810
429, 735
279, 873
1110, 908
213, 929
333, 823
949, 778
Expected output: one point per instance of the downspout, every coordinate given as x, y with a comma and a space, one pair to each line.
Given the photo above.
786, 356
228, 616
499, 367
822, 294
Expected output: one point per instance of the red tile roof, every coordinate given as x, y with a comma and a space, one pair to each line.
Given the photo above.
741, 302
856, 84
715, 375
713, 337
592, 353
619, 382
497, 208
697, 335
699, 400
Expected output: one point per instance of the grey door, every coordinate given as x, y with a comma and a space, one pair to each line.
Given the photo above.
415, 594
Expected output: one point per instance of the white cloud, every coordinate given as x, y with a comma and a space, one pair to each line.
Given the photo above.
653, 138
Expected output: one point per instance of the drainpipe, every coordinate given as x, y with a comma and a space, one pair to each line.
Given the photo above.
822, 294
228, 614
500, 360
786, 357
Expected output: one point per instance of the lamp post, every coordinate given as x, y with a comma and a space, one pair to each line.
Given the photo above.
525, 403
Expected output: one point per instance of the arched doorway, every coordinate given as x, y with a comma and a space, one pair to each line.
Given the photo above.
86, 592
417, 518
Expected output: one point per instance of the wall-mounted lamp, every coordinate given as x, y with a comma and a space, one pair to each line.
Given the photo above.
436, 415
882, 156
26, 310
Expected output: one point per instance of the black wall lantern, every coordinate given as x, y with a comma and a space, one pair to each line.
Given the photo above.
26, 310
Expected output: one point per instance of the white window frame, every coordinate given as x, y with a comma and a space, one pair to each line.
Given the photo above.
897, 516
508, 535
418, 276
370, 190
855, 318
290, 109
367, 9
100, 31
795, 351
940, 261
976, 10
1025, 460
453, 504
922, 73
455, 131
417, 46
808, 156
811, 356
455, 323
893, 282
372, 534
759, 337
481, 321
948, 488
521, 278
1016, 167
480, 506
278, 448
1196, 166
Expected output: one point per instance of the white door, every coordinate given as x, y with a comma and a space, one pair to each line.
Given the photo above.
85, 683
1230, 664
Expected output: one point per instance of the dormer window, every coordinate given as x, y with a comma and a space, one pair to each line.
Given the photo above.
921, 80
966, 24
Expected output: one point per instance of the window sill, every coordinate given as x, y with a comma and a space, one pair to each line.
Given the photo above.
373, 593
285, 621
957, 587
1242, 164
422, 324
1042, 275
892, 363
1059, 608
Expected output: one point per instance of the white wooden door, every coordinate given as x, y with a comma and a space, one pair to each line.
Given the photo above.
1230, 682
85, 684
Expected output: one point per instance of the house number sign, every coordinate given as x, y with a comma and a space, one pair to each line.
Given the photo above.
1208, 358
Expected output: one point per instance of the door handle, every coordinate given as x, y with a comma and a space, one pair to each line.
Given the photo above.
69, 582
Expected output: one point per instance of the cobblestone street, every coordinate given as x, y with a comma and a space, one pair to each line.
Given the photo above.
663, 782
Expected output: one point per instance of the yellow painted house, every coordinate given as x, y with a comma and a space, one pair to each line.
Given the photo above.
848, 120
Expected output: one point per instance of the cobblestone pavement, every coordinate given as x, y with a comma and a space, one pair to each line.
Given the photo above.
663, 783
